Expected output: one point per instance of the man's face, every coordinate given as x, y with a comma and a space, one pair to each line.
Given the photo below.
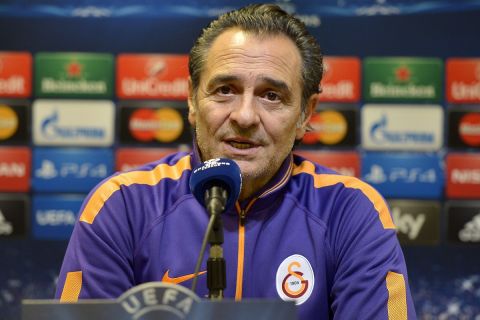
248, 104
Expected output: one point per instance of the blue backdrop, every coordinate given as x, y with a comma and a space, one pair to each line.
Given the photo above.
445, 279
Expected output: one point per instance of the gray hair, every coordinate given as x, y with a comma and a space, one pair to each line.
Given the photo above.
262, 19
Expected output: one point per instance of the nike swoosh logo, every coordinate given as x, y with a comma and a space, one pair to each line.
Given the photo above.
176, 280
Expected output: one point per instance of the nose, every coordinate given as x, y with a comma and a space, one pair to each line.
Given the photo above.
245, 114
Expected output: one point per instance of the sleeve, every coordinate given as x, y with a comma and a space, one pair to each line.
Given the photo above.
99, 258
370, 279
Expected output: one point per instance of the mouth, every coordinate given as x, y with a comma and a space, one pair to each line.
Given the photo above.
241, 144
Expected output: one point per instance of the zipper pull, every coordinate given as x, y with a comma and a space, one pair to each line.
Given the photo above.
242, 217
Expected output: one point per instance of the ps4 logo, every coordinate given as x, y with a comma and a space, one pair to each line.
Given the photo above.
401, 174
48, 170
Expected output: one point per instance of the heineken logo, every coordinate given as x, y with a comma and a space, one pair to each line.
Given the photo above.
403, 74
400, 78
381, 90
50, 85
74, 69
74, 74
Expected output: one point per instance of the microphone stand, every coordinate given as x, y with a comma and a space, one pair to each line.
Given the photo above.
216, 270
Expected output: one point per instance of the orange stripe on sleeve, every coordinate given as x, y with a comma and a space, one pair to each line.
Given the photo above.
153, 177
325, 180
397, 296
72, 287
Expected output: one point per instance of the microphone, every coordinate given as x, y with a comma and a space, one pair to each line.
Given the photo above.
216, 184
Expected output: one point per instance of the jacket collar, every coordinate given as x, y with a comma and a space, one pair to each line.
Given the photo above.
278, 181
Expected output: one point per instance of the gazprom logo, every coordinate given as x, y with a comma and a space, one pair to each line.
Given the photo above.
73, 122
52, 129
381, 134
402, 127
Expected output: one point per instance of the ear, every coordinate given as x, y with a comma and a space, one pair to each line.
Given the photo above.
307, 114
191, 103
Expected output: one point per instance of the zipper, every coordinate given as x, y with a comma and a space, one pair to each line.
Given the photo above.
241, 252
242, 213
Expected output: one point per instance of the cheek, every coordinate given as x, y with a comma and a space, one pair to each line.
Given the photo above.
282, 129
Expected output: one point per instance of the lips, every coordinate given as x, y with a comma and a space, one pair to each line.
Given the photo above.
242, 144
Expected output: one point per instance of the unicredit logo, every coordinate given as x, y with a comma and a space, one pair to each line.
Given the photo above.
51, 129
380, 134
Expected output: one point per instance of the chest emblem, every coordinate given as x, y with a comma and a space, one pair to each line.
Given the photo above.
295, 279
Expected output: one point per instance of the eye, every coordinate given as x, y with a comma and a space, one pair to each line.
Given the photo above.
224, 90
272, 96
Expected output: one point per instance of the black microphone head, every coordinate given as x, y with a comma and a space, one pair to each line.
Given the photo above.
220, 172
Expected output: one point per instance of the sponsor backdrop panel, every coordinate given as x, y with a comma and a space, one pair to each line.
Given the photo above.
402, 127
15, 74
152, 76
70, 169
53, 216
404, 175
15, 166
333, 125
154, 123
464, 127
73, 122
14, 122
73, 75
402, 79
463, 175
341, 80
14, 208
463, 222
417, 221
462, 80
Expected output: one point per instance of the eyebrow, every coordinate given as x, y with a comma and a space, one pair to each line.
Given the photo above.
221, 78
225, 78
277, 84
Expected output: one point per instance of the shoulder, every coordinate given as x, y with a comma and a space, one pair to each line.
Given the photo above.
325, 186
135, 182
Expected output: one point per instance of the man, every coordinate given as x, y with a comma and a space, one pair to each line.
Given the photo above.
299, 231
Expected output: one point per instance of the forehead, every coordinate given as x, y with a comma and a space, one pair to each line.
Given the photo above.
239, 52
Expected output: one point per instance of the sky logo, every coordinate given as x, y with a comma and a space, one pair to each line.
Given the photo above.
54, 216
418, 176
70, 170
